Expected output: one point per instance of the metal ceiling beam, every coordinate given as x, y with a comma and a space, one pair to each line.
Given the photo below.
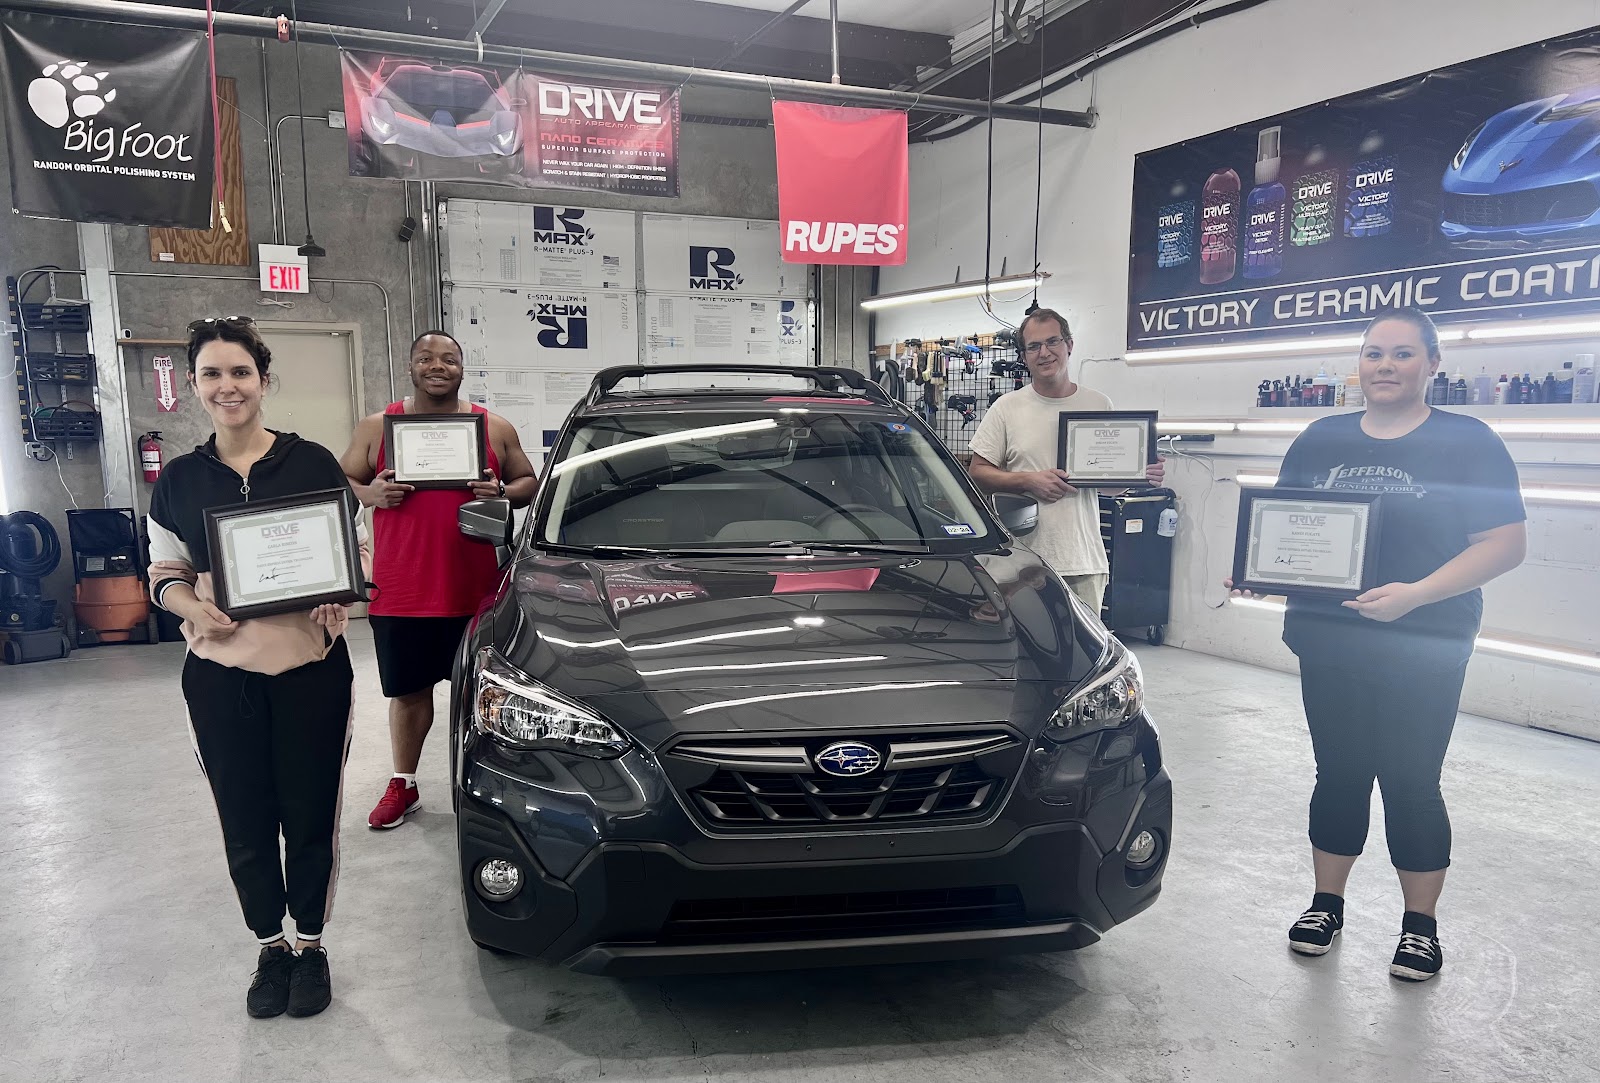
488, 16
738, 50
556, 63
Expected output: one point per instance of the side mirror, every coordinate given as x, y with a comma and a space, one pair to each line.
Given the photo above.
486, 521
1017, 513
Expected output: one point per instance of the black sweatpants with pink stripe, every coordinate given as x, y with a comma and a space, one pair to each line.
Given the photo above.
273, 750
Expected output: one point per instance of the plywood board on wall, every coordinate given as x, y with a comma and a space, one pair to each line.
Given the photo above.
215, 245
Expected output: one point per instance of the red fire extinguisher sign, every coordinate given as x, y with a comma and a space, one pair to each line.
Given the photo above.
166, 390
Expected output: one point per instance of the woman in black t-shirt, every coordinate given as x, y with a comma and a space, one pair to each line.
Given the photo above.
1381, 675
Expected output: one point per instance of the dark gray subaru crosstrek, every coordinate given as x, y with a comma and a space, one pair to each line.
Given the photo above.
767, 684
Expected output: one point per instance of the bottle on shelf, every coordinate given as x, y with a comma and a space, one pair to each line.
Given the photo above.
1513, 395
1280, 394
1564, 383
1264, 393
1353, 394
1583, 389
1321, 389
1529, 392
1338, 389
1502, 389
1549, 390
1483, 389
1295, 398
1460, 394
1441, 390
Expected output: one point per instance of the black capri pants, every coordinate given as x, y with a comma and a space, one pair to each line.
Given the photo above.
273, 750
1388, 723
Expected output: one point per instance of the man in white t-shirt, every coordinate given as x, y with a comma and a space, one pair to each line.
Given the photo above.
1015, 451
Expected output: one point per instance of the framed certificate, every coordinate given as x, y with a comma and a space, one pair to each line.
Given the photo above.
1108, 448
285, 555
436, 451
1316, 542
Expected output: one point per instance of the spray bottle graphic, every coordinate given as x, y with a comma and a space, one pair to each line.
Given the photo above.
1369, 191
1316, 197
1175, 230
1219, 228
1267, 210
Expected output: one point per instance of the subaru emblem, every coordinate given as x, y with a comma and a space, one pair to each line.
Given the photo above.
849, 759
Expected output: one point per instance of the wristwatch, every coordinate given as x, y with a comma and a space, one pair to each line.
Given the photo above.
502, 488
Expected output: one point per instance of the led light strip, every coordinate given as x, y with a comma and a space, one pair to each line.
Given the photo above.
1537, 493
1503, 426
1005, 284
1532, 651
1528, 330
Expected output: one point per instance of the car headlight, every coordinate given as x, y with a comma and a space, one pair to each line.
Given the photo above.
522, 713
1113, 697
1461, 155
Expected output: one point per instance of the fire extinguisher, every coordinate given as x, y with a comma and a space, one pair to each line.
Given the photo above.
150, 455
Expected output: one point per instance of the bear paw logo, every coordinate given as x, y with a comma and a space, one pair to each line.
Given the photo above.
68, 90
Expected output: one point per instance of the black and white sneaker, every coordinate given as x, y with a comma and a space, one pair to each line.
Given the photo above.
1313, 934
310, 988
1419, 956
269, 989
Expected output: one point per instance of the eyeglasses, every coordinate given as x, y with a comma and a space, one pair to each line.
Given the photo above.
1055, 342
210, 320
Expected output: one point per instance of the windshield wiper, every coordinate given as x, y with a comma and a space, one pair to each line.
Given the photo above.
675, 551
856, 547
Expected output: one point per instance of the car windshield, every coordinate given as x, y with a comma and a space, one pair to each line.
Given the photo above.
730, 480
1571, 112
428, 91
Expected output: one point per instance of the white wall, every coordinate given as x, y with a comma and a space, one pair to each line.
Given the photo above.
1277, 57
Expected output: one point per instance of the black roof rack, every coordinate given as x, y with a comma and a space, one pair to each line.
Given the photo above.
833, 380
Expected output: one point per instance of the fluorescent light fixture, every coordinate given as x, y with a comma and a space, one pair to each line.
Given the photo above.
1272, 426
1267, 480
601, 644
823, 692
1535, 329
1504, 426
764, 665
1538, 653
1278, 348
1562, 496
1184, 428
1545, 428
1532, 651
1003, 284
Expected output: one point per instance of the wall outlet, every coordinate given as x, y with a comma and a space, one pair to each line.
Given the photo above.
335, 118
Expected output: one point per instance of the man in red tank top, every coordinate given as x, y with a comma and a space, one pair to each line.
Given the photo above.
430, 578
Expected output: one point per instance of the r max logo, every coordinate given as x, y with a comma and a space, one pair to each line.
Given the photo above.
566, 327
1314, 191
712, 269
570, 232
1381, 176
1308, 520
1220, 210
788, 322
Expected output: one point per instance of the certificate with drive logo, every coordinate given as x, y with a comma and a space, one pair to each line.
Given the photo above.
1108, 448
1315, 542
436, 451
285, 555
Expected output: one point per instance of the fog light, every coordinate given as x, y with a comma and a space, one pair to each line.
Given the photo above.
1143, 850
499, 880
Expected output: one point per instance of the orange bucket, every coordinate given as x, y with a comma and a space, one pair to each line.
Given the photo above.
112, 607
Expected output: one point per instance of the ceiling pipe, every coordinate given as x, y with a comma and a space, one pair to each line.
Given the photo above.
569, 64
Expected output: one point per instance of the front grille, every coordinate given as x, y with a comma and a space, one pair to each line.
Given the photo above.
857, 914
755, 784
1557, 203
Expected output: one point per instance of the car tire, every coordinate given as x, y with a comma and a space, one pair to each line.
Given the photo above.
1157, 635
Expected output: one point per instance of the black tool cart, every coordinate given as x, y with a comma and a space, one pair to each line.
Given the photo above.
1139, 595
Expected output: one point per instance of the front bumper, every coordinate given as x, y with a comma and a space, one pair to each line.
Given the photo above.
642, 906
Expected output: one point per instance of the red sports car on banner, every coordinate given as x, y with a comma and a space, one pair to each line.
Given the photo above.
414, 111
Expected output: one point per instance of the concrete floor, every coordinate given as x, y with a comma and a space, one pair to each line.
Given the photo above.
125, 957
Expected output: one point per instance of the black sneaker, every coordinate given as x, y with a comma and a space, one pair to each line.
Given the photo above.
269, 990
310, 989
1313, 934
1419, 956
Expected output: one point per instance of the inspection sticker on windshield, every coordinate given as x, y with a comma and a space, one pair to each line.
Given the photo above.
897, 426
959, 530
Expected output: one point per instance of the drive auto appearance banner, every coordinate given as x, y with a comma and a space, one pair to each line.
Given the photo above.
843, 175
108, 122
410, 119
1472, 192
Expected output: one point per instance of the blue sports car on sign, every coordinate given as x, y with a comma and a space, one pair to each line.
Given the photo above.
1528, 176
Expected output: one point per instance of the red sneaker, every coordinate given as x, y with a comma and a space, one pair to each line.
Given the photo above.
398, 800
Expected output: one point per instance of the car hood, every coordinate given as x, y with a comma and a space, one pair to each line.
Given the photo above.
783, 643
1517, 150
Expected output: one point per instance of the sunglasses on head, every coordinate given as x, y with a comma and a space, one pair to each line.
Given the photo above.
211, 320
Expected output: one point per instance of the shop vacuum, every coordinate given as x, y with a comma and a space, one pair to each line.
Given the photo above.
30, 549
108, 567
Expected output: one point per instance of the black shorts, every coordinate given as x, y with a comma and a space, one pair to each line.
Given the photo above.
415, 653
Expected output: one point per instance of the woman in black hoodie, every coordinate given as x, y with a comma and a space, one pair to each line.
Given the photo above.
269, 698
